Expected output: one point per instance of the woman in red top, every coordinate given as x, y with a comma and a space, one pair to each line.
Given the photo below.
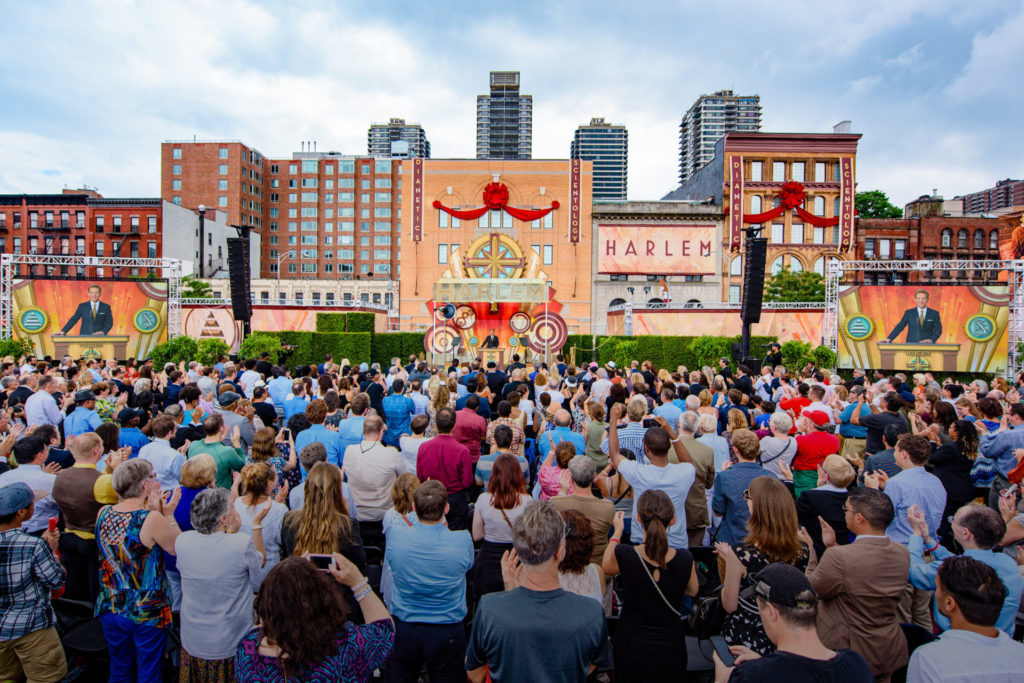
813, 445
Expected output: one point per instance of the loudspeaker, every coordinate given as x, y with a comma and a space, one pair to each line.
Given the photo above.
448, 311
239, 277
753, 279
753, 364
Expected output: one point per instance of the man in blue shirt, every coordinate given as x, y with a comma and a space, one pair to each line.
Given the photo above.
428, 599
316, 412
999, 446
280, 387
668, 409
854, 435
729, 500
296, 403
130, 435
398, 412
913, 486
84, 418
419, 399
350, 431
632, 435
978, 530
561, 432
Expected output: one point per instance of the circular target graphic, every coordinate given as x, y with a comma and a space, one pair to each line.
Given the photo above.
549, 332
440, 340
519, 322
465, 317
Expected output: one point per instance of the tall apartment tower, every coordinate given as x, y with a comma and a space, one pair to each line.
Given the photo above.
1005, 194
708, 120
397, 139
504, 120
607, 145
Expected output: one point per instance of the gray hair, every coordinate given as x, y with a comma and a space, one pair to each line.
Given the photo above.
208, 507
583, 470
708, 423
781, 422
129, 477
982, 386
689, 422
142, 384
538, 532
692, 403
8, 381
562, 418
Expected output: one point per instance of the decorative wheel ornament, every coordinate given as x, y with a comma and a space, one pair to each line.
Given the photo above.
440, 340
32, 320
495, 255
465, 317
520, 322
549, 333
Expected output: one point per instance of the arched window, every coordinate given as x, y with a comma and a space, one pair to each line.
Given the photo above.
947, 237
979, 239
819, 266
616, 302
776, 266
736, 266
755, 204
819, 206
693, 303
961, 239
794, 264
655, 302
993, 239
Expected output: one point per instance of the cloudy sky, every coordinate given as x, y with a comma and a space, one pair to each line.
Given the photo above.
90, 89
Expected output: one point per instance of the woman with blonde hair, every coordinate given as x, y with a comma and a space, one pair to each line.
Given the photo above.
772, 537
439, 401
255, 487
735, 419
402, 514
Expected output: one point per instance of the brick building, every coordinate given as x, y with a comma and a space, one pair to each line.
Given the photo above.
756, 165
1006, 193
321, 215
84, 223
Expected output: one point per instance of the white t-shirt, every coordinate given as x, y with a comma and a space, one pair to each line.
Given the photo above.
818, 405
410, 448
371, 468
674, 480
600, 389
556, 398
496, 529
965, 657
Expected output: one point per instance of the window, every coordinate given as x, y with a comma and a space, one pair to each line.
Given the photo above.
381, 254
309, 239
900, 249
309, 197
364, 254
819, 171
117, 224
798, 171
223, 185
176, 169
778, 171
736, 266
306, 268
442, 254
755, 204
364, 185
796, 234
346, 183
222, 201
548, 255
383, 268
869, 247
346, 196
134, 222
382, 212
380, 166
151, 249
819, 206
547, 222
382, 182
99, 223
384, 197
979, 239
819, 236
176, 185
308, 212
310, 166
734, 294
884, 249
961, 239
778, 233
222, 169
947, 237
99, 247
307, 253
755, 170
382, 240
993, 239
176, 153
309, 182
819, 266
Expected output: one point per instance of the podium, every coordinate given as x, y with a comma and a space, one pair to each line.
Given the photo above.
895, 356
496, 355
88, 345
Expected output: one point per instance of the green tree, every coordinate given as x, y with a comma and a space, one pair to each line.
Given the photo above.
876, 204
788, 286
193, 288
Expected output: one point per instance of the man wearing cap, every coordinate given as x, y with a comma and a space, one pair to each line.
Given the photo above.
226, 404
29, 570
130, 435
813, 445
774, 356
84, 417
788, 607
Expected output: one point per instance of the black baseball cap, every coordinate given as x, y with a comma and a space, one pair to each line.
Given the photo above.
780, 583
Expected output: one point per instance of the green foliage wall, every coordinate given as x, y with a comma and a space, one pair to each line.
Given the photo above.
345, 322
311, 347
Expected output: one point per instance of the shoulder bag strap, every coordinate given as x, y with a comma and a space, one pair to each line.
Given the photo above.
655, 583
405, 518
505, 517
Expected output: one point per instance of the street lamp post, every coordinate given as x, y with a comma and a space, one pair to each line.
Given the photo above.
202, 238
288, 254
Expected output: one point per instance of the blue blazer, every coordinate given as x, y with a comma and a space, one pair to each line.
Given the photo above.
103, 321
916, 332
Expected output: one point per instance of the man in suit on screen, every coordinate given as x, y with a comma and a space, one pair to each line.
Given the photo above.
96, 316
922, 323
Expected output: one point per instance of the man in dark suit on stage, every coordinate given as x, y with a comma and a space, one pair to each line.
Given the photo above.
922, 323
95, 315
491, 341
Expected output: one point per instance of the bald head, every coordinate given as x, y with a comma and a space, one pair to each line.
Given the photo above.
562, 418
372, 427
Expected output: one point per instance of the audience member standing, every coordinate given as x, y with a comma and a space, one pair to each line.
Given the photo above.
449, 462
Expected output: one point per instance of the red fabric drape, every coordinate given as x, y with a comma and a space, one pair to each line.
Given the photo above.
816, 221
764, 216
521, 214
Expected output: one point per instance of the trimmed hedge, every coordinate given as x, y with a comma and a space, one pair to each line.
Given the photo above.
664, 351
311, 347
345, 322
390, 345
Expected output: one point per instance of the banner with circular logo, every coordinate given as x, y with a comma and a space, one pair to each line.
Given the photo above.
146, 320
32, 320
980, 328
859, 327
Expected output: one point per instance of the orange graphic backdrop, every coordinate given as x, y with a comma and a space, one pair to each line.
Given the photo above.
803, 325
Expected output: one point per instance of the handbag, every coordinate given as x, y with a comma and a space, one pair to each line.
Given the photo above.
707, 617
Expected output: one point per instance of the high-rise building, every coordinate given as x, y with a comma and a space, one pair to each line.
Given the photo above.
397, 139
321, 215
708, 120
607, 145
1005, 194
504, 120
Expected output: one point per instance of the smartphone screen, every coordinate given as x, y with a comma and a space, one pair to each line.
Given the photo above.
722, 648
321, 562
285, 433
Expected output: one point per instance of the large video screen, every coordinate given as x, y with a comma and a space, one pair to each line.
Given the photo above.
95, 319
929, 328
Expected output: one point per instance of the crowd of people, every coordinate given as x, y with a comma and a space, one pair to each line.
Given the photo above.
522, 523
